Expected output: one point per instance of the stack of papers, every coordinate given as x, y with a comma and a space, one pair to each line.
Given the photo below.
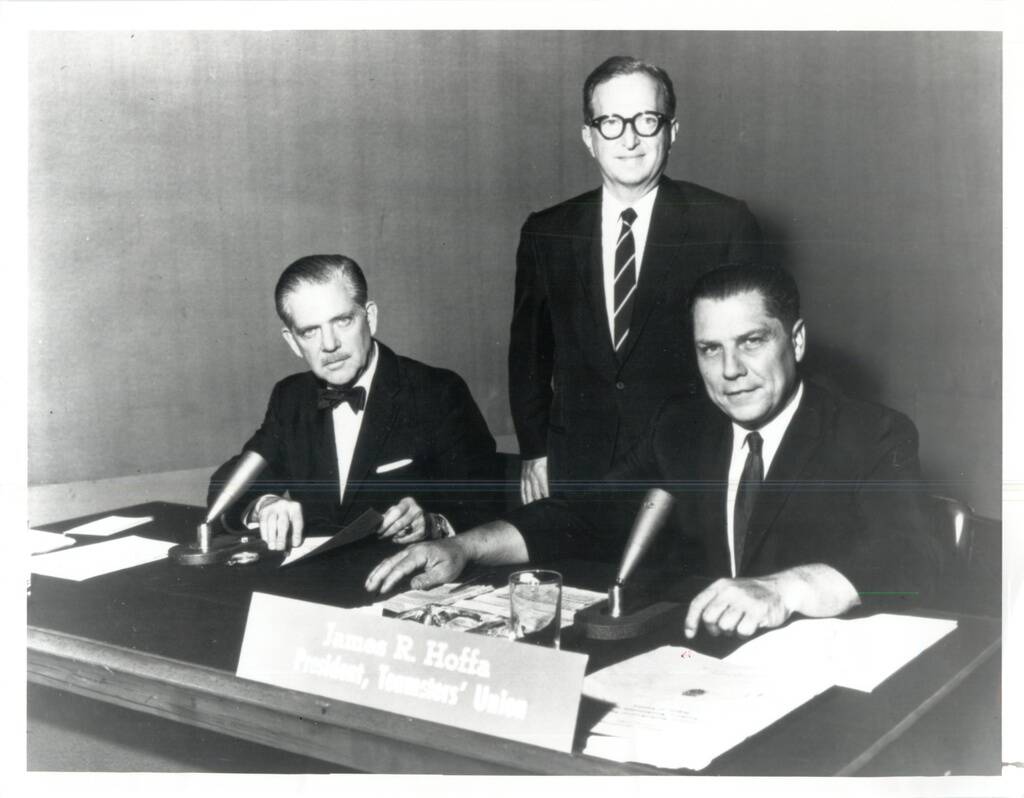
485, 599
676, 708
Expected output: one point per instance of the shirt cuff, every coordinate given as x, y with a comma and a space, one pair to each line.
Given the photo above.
251, 517
440, 527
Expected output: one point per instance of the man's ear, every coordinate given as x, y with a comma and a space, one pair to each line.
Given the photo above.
292, 343
371, 316
672, 130
588, 141
799, 338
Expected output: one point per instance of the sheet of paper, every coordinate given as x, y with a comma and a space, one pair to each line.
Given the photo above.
40, 542
364, 526
309, 545
676, 708
858, 653
111, 525
85, 562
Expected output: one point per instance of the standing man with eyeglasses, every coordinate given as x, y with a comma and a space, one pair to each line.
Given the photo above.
599, 329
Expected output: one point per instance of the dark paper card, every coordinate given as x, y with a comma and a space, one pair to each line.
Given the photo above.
364, 526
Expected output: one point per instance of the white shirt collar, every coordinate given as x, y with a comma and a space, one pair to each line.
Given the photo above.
366, 378
771, 433
612, 208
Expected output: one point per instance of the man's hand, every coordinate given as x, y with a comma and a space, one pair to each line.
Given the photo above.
742, 606
277, 520
440, 560
533, 481
737, 606
405, 522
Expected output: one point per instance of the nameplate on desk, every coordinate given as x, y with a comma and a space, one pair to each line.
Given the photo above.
487, 685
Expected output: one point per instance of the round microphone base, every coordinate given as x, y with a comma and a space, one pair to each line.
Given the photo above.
597, 624
222, 548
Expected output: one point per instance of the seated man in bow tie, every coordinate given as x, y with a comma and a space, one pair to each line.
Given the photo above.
363, 428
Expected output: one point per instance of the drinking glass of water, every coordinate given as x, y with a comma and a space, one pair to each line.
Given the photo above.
535, 607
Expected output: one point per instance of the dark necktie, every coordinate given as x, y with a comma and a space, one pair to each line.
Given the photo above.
625, 279
331, 396
746, 494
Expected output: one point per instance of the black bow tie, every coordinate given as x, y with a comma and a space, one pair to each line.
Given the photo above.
332, 396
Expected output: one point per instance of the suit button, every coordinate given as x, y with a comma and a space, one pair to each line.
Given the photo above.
620, 385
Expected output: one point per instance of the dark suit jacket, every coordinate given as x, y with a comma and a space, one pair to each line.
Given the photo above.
573, 399
843, 489
413, 411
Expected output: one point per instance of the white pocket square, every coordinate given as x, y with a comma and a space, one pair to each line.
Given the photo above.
383, 469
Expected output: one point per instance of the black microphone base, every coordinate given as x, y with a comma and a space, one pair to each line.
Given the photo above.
596, 624
222, 548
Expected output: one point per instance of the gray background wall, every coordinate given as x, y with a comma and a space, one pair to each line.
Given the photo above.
174, 174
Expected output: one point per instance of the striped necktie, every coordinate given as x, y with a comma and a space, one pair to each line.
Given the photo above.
625, 280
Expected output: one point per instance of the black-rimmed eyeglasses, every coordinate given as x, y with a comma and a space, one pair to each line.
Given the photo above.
645, 123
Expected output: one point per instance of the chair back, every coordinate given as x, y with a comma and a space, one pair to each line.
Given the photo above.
971, 546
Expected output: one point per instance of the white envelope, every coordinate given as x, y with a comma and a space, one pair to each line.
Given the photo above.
383, 469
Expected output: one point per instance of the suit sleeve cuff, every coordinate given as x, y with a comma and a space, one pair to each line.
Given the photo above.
550, 531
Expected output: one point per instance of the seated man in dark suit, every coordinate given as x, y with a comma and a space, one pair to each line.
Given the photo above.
800, 500
364, 428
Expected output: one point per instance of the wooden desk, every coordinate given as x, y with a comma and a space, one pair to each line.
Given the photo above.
164, 640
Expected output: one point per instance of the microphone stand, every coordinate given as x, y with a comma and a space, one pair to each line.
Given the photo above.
623, 615
209, 548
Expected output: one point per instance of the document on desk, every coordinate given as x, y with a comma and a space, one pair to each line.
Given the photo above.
487, 599
364, 526
111, 525
676, 708
859, 653
40, 542
308, 546
85, 562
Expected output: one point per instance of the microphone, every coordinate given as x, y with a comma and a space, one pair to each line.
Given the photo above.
208, 549
249, 466
610, 620
650, 520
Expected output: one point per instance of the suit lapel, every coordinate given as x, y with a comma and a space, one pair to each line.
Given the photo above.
661, 254
783, 477
377, 423
316, 460
716, 448
588, 261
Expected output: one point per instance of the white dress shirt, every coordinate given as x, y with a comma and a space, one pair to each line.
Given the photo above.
347, 424
611, 209
771, 439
